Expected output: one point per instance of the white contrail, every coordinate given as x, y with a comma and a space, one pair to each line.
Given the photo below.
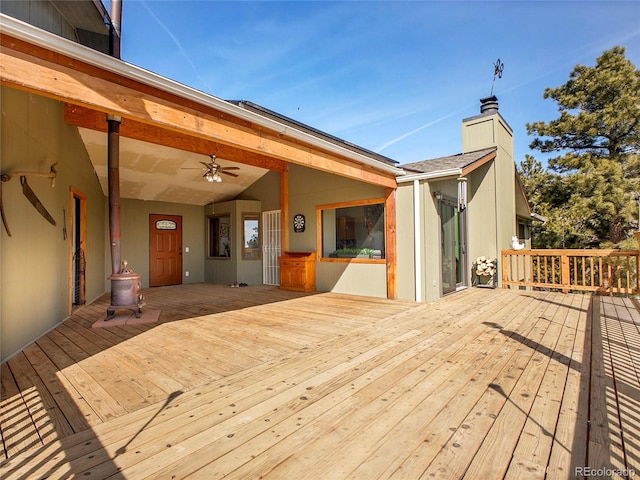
416, 130
177, 43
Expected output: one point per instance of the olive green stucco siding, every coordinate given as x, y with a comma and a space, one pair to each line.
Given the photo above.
35, 261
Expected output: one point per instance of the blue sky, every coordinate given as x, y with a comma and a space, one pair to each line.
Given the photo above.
394, 77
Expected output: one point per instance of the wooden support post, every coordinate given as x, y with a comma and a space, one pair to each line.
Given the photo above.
284, 208
390, 252
506, 276
565, 272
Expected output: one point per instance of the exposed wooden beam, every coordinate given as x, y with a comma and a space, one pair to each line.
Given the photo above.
284, 209
56, 80
7, 41
92, 119
391, 243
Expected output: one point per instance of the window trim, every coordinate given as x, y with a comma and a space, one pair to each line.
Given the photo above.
251, 216
209, 239
353, 203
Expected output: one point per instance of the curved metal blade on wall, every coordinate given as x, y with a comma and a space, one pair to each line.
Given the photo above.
2, 213
26, 189
31, 196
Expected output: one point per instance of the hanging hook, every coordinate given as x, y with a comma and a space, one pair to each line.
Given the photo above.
5, 177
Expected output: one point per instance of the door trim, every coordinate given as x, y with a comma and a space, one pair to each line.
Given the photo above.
271, 246
68, 229
177, 279
460, 248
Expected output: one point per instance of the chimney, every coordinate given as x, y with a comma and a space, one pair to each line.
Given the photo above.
489, 104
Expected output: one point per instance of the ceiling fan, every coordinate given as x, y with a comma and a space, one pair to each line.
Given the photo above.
213, 170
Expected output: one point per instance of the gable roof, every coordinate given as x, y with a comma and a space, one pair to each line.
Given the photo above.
459, 164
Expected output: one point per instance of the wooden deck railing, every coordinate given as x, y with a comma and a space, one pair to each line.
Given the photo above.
606, 272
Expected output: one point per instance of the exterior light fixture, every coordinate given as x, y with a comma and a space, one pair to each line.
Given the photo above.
462, 193
437, 194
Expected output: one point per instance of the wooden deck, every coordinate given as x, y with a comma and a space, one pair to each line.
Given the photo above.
255, 382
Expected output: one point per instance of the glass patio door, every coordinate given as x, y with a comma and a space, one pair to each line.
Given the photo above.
453, 247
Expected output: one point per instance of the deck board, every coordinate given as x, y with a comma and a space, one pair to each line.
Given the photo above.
491, 461
258, 382
531, 456
439, 410
453, 459
569, 446
623, 340
19, 432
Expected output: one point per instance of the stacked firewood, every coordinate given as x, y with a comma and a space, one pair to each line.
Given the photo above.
485, 267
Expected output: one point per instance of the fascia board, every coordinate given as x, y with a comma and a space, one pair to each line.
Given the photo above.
409, 177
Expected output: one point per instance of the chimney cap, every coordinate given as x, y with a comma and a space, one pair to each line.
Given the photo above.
489, 104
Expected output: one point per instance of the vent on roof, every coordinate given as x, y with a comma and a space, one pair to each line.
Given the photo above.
489, 104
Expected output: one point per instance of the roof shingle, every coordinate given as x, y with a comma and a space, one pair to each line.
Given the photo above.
458, 161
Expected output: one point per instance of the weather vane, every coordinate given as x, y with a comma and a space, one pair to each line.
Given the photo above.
497, 72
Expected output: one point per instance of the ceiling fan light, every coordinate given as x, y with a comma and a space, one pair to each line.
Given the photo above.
217, 178
210, 177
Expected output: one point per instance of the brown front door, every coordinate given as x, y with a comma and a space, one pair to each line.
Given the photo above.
165, 246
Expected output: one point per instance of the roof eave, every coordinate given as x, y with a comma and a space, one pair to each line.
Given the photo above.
410, 177
28, 33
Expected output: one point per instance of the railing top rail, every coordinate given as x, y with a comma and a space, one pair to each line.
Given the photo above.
577, 252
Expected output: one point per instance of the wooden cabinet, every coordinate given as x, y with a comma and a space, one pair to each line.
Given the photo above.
298, 271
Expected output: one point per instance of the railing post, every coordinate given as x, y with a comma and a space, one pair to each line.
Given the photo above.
565, 272
637, 235
506, 278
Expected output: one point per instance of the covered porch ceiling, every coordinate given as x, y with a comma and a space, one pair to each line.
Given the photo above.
155, 172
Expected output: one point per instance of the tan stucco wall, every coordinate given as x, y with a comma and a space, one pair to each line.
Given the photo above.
490, 215
35, 261
310, 188
135, 237
482, 213
267, 190
405, 238
497, 179
235, 269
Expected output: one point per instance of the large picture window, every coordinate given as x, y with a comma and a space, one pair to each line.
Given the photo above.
219, 236
353, 230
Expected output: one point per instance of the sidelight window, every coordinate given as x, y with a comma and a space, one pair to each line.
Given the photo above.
251, 236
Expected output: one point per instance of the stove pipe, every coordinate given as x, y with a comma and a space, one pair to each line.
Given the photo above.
114, 33
125, 284
113, 172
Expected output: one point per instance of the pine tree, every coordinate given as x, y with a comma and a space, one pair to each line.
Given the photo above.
597, 136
